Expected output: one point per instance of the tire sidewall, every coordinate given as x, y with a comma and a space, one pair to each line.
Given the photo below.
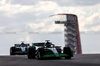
31, 52
67, 51
12, 50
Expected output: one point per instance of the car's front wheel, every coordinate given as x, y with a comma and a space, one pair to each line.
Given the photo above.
31, 53
12, 50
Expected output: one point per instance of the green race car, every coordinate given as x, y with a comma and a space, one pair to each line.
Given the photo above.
48, 50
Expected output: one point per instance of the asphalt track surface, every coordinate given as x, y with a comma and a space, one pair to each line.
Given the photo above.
77, 60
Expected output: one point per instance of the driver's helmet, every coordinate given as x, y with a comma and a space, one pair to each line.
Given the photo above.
22, 44
48, 44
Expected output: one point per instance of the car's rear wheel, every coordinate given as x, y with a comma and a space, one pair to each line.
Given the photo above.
12, 50
31, 53
67, 51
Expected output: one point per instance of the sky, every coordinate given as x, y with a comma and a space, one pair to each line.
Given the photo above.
33, 16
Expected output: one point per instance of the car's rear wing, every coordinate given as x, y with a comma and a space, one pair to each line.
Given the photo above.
38, 44
19, 45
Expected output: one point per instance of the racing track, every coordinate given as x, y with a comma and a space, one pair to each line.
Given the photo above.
77, 60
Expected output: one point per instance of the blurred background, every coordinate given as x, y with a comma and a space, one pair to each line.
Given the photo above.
17, 17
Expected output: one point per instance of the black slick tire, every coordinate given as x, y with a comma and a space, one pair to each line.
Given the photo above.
67, 51
12, 50
31, 53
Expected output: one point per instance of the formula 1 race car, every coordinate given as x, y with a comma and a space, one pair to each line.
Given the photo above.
48, 50
19, 49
